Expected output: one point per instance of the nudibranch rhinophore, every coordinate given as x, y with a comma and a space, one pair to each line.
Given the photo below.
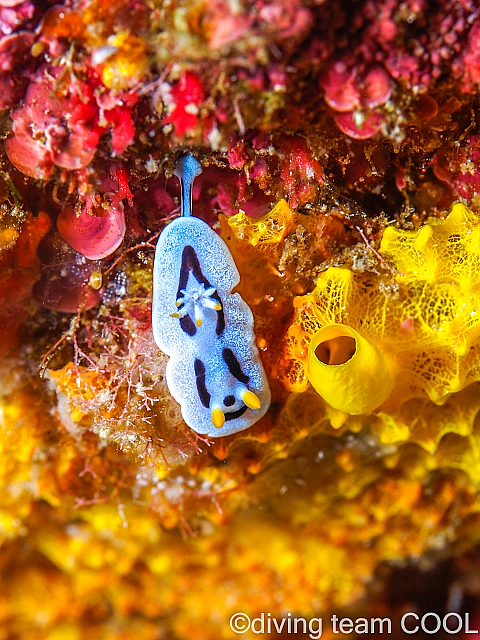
214, 371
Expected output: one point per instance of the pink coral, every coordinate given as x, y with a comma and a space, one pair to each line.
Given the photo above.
341, 94
352, 92
97, 228
414, 39
52, 129
467, 66
14, 15
346, 87
94, 233
376, 87
61, 124
15, 63
359, 124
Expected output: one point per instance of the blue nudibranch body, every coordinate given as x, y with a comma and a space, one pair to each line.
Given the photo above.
214, 371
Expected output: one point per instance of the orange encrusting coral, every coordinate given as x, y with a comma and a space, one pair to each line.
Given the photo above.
20, 268
88, 523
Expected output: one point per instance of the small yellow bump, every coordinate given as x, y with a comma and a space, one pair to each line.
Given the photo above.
77, 414
218, 306
95, 280
218, 418
37, 49
251, 400
198, 322
423, 236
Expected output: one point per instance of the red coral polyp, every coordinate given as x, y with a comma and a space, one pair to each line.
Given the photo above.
376, 87
183, 101
347, 88
341, 94
352, 92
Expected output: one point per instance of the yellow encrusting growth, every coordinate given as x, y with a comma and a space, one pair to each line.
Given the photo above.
267, 230
128, 64
417, 336
438, 252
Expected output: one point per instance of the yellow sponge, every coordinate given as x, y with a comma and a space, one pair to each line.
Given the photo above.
366, 344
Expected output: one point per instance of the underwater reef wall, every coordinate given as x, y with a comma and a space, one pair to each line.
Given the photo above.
339, 147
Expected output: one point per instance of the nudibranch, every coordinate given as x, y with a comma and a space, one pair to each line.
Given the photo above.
214, 370
369, 347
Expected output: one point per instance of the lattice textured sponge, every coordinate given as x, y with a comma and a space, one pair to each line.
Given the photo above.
426, 319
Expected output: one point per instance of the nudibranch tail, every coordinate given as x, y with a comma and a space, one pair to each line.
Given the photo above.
187, 170
214, 370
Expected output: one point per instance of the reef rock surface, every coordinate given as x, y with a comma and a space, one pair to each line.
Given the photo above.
340, 150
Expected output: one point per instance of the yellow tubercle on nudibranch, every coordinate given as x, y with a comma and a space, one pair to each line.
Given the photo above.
367, 347
251, 400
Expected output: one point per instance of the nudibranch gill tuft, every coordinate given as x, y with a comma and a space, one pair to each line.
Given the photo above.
214, 371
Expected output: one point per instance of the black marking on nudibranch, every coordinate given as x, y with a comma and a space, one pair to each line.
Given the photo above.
200, 373
230, 400
235, 414
205, 397
191, 264
234, 366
